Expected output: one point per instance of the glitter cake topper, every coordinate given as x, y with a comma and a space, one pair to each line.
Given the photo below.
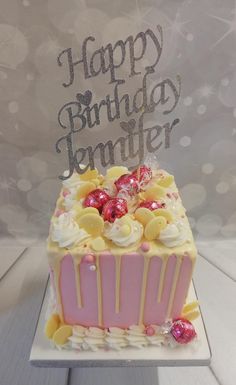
81, 113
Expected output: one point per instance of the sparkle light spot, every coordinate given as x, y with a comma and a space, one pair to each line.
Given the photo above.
225, 82
14, 46
185, 141
201, 109
207, 168
188, 101
24, 185
13, 107
190, 37
222, 187
193, 195
209, 225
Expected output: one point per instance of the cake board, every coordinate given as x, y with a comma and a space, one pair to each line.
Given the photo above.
195, 354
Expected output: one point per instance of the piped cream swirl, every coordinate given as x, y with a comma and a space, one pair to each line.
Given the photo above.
66, 231
116, 338
174, 234
73, 182
124, 231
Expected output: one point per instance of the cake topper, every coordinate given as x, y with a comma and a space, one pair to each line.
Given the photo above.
82, 112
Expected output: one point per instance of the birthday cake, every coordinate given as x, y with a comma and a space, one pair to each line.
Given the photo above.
121, 256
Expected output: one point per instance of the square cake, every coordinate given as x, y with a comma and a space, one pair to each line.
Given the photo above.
121, 256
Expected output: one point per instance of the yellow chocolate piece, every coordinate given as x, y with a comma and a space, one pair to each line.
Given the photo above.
164, 213
89, 174
92, 223
100, 178
60, 201
190, 306
143, 215
98, 244
77, 209
191, 316
52, 325
153, 228
125, 230
85, 189
116, 172
62, 334
96, 181
86, 210
166, 181
154, 193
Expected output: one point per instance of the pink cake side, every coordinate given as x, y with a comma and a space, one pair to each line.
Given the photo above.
130, 291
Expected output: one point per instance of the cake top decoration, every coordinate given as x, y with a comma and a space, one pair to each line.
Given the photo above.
118, 210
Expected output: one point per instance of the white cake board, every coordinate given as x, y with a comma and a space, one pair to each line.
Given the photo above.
195, 354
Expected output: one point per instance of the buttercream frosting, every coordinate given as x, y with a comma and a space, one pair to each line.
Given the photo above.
116, 338
124, 231
174, 234
66, 231
70, 199
73, 182
136, 336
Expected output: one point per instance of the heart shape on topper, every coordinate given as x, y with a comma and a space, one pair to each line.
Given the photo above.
128, 126
85, 98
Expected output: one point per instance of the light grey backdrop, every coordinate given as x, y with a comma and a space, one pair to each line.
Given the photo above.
199, 44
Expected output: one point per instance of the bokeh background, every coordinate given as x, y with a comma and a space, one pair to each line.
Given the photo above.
199, 44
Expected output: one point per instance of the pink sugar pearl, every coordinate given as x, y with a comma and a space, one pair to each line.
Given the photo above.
145, 246
89, 258
65, 193
150, 331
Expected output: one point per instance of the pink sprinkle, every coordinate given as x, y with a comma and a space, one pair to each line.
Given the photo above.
65, 193
59, 212
89, 258
145, 246
150, 331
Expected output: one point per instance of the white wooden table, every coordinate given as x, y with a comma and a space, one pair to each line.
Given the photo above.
23, 276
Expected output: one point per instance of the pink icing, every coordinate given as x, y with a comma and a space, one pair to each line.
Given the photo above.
130, 290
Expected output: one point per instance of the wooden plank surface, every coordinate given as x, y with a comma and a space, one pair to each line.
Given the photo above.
217, 295
186, 376
10, 251
21, 293
221, 254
